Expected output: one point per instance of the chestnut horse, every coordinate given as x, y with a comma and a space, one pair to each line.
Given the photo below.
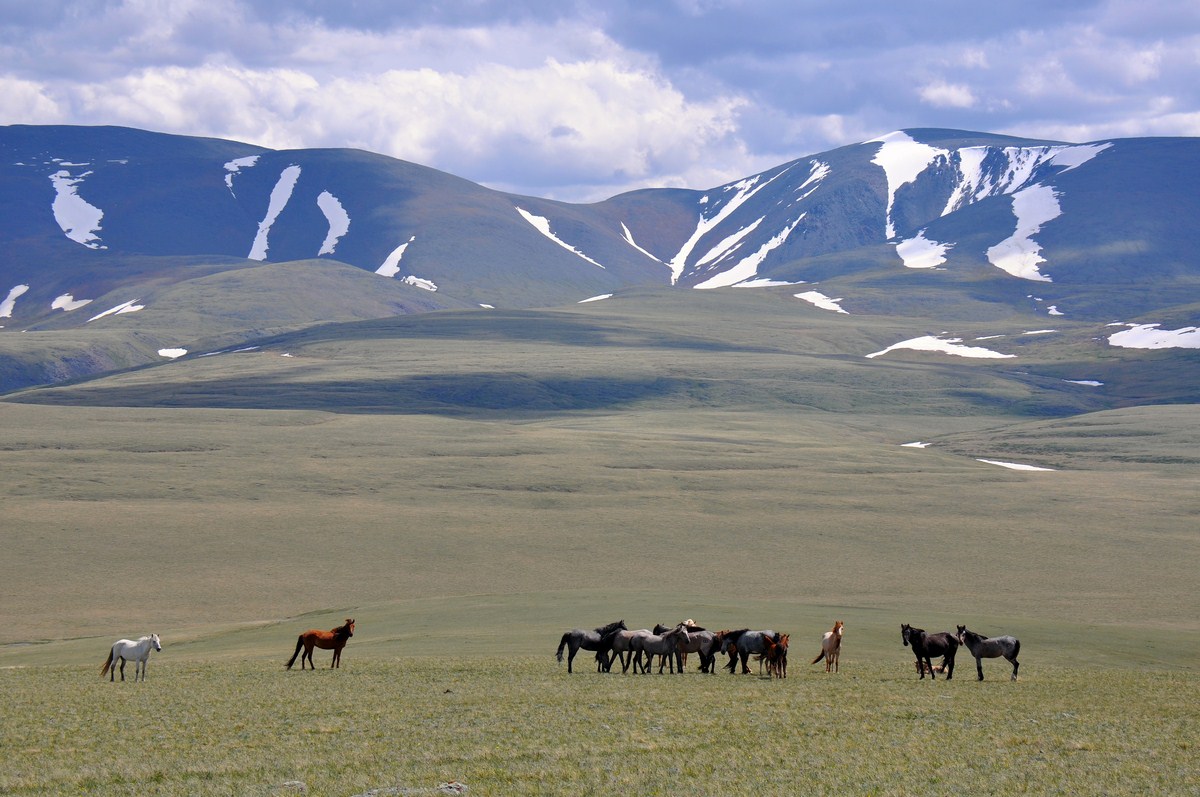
325, 640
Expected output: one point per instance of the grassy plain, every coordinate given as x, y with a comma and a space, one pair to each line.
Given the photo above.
470, 485
517, 726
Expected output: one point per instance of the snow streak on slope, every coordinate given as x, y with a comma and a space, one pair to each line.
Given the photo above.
629, 240
748, 267
128, 307
1019, 254
726, 247
339, 221
743, 190
945, 345
280, 194
542, 225
818, 171
818, 299
902, 159
995, 171
10, 301
391, 265
78, 220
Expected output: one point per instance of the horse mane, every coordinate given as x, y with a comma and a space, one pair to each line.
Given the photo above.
734, 635
604, 630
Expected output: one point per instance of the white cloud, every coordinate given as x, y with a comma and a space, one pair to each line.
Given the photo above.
947, 95
584, 100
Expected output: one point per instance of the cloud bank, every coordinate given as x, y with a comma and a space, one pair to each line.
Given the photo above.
579, 101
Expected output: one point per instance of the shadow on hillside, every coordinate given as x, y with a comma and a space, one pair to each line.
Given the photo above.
443, 394
503, 325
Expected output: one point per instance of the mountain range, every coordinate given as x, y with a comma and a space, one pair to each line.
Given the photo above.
212, 243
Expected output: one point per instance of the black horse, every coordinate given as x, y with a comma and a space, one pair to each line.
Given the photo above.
926, 645
577, 638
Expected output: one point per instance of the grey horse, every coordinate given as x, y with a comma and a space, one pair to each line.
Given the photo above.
983, 647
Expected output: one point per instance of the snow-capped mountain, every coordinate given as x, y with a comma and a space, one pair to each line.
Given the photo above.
98, 223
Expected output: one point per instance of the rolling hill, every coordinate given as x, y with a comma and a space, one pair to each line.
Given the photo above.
120, 243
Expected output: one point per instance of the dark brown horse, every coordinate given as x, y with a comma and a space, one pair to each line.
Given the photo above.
926, 645
335, 639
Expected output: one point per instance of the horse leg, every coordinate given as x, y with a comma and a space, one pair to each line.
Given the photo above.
924, 664
979, 666
571, 651
122, 668
1016, 664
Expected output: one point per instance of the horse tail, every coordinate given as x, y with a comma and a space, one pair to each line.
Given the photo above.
1016, 648
820, 656
299, 644
107, 664
565, 638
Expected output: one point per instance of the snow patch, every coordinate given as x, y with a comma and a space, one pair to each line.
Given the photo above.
902, 159
67, 303
339, 221
766, 282
131, 306
172, 353
1019, 254
391, 264
1087, 382
235, 166
418, 282
10, 301
1149, 336
78, 220
920, 252
599, 298
917, 444
280, 195
542, 225
1075, 156
1013, 465
821, 300
945, 345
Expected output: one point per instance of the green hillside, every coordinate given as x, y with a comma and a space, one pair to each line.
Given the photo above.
649, 457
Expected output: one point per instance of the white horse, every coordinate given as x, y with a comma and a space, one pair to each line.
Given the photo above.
127, 650
831, 647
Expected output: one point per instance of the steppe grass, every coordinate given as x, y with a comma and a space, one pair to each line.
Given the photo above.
523, 726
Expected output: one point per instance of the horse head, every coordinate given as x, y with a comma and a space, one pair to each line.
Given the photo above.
909, 634
837, 628
349, 627
154, 640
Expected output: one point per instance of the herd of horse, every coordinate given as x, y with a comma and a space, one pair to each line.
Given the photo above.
671, 644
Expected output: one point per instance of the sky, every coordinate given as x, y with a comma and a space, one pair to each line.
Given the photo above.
583, 100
